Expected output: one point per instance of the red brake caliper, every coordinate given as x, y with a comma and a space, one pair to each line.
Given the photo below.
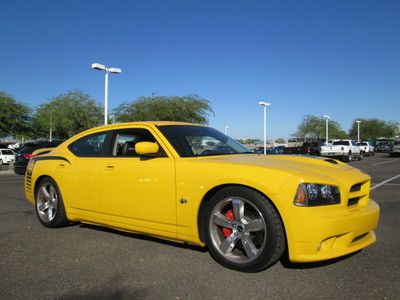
227, 231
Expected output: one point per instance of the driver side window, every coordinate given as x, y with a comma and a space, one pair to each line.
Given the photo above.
126, 139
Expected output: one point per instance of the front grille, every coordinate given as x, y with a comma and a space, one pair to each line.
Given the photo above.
356, 187
358, 194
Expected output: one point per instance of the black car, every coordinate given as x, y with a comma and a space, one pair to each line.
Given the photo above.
23, 155
383, 147
268, 150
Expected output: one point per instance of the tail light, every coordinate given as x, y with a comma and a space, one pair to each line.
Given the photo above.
28, 155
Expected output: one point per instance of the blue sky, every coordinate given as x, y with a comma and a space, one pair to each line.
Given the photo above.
340, 58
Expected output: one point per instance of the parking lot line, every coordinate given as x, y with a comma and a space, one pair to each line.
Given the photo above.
386, 162
384, 182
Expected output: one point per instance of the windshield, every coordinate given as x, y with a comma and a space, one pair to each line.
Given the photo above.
190, 141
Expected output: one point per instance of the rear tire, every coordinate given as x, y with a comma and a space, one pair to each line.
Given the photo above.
243, 231
49, 205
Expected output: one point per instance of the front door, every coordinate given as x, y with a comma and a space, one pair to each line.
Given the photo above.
138, 193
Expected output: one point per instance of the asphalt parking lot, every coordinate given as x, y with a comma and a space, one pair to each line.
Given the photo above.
87, 262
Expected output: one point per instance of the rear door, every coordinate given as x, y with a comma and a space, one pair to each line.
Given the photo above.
81, 175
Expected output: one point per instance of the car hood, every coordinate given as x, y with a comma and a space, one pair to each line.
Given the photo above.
291, 164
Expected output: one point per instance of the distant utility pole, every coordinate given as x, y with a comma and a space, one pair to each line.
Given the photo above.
226, 129
358, 130
265, 104
326, 126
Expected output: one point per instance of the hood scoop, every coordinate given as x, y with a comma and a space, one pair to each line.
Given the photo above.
332, 161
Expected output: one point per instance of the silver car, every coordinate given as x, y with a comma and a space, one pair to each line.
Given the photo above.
395, 149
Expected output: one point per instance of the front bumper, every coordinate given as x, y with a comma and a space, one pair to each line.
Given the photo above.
326, 235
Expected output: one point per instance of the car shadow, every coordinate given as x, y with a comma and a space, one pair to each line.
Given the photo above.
287, 264
114, 288
145, 237
284, 260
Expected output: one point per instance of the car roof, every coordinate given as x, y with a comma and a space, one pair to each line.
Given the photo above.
139, 123
153, 123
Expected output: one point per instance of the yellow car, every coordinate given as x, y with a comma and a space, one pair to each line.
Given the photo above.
193, 184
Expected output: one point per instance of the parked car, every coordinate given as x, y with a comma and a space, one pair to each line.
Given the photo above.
345, 150
6, 156
268, 150
395, 149
162, 179
22, 157
366, 148
308, 148
383, 147
279, 149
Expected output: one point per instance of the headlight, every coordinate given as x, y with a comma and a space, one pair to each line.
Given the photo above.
312, 194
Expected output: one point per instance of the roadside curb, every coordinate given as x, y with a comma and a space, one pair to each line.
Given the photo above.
6, 172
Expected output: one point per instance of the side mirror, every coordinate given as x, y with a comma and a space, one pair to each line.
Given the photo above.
146, 148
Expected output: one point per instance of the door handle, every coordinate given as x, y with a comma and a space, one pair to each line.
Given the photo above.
109, 167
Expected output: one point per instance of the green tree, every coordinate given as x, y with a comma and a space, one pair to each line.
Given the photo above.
15, 117
249, 141
280, 141
314, 127
373, 129
192, 108
67, 114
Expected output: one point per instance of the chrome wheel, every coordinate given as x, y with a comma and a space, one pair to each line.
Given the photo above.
237, 230
47, 202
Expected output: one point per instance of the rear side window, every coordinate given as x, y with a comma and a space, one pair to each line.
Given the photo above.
90, 146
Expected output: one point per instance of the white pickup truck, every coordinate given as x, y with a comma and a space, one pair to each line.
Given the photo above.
345, 150
366, 148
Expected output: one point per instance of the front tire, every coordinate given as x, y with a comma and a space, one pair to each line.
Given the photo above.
49, 205
349, 157
243, 230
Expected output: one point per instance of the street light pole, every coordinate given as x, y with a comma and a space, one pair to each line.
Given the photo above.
265, 104
358, 130
326, 127
106, 98
106, 70
51, 130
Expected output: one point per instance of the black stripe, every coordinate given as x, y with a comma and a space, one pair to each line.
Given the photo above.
50, 158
